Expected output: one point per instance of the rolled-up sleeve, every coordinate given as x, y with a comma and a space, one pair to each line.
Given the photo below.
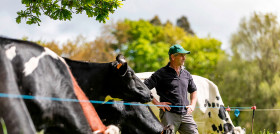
192, 86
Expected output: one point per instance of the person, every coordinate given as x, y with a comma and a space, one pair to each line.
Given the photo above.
172, 84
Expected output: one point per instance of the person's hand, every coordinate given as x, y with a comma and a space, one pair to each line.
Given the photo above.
190, 109
164, 106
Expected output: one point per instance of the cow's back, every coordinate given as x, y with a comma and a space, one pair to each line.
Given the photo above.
208, 106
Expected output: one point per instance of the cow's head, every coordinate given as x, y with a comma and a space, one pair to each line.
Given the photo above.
126, 84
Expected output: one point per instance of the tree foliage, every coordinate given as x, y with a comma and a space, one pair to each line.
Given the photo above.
251, 75
63, 9
156, 21
258, 39
204, 57
184, 23
140, 42
80, 49
146, 46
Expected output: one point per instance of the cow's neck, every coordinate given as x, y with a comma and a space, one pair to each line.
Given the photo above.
92, 78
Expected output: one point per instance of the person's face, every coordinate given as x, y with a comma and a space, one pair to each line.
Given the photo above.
179, 59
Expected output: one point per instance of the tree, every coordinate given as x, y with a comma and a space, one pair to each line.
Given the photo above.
259, 39
253, 70
168, 22
63, 9
172, 34
204, 56
141, 43
96, 51
184, 23
79, 49
155, 21
146, 46
52, 46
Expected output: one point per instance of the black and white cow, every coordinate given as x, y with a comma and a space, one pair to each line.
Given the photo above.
210, 113
13, 111
98, 80
29, 69
117, 79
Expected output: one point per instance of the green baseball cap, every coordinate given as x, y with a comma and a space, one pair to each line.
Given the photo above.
177, 49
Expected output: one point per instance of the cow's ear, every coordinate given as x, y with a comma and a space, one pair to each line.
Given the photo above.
121, 68
121, 65
120, 58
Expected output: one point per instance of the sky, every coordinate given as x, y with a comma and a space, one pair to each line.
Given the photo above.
215, 18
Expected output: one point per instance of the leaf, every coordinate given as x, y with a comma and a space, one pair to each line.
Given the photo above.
18, 19
50, 8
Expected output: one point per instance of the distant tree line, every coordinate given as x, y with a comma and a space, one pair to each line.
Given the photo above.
182, 22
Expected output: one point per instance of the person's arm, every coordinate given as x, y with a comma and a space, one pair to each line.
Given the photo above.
151, 83
193, 100
162, 105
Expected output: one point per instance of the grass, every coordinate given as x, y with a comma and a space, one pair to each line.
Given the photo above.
266, 132
3, 126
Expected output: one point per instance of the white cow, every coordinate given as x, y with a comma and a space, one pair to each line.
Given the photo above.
210, 114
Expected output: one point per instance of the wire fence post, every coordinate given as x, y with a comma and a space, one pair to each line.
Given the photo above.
254, 108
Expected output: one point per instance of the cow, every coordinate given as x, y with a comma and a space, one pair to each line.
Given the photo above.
13, 111
210, 113
98, 80
29, 69
117, 79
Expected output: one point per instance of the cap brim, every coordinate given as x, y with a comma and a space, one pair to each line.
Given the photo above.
185, 52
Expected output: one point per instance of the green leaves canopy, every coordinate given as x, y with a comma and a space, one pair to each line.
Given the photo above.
63, 9
204, 57
146, 46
